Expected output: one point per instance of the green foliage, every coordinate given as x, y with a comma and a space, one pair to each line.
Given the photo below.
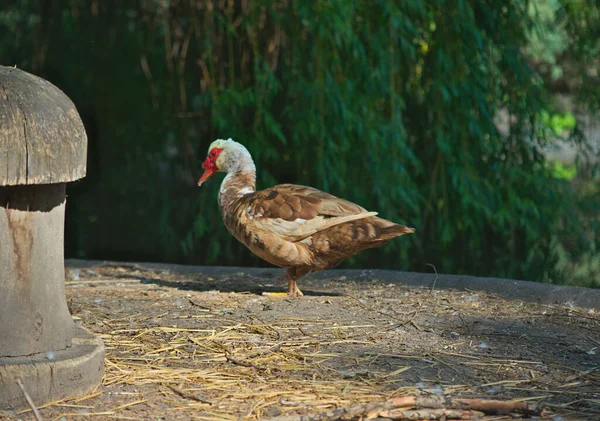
387, 103
547, 38
581, 22
563, 172
557, 122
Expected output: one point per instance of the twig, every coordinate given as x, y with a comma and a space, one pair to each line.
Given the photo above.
35, 411
394, 414
188, 395
580, 375
431, 414
305, 333
103, 281
386, 411
415, 313
195, 304
408, 407
418, 310
243, 363
119, 265
272, 349
488, 406
593, 340
412, 318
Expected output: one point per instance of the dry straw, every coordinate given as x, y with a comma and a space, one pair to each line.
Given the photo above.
200, 362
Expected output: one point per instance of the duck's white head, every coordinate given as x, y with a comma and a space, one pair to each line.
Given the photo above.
226, 155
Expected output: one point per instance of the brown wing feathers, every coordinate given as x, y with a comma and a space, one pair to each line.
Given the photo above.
362, 234
290, 202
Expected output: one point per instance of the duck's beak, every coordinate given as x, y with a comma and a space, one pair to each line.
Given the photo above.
209, 168
208, 172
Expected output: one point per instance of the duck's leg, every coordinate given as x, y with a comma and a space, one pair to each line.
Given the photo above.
293, 290
288, 275
292, 275
299, 274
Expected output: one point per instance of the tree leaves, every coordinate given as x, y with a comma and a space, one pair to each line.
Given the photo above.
392, 104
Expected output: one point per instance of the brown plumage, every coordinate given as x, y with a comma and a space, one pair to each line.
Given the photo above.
298, 228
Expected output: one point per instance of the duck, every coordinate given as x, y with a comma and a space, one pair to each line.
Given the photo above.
298, 228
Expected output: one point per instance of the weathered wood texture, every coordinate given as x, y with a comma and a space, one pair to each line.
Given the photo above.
73, 372
42, 146
34, 317
42, 138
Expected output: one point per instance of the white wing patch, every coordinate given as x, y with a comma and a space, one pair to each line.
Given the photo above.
244, 191
307, 240
299, 229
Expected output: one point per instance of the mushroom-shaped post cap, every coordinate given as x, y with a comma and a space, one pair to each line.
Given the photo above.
42, 138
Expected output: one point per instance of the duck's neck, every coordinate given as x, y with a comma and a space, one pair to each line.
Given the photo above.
235, 185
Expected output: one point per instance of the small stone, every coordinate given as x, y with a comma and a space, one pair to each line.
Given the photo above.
73, 275
272, 411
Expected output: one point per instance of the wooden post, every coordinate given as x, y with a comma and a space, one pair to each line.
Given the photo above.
42, 146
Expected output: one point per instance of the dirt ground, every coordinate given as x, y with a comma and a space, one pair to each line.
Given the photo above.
211, 347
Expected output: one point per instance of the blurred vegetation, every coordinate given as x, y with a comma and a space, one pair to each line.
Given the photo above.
392, 104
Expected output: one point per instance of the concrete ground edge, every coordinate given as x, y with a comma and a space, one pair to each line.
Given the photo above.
506, 288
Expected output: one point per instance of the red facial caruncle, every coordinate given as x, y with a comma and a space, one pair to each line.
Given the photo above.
210, 165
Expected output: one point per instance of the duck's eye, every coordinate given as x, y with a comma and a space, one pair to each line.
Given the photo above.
213, 154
